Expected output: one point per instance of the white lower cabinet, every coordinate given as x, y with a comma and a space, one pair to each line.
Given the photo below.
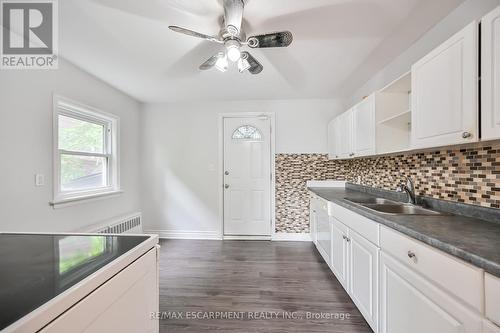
411, 304
363, 276
489, 327
401, 285
492, 298
339, 252
355, 264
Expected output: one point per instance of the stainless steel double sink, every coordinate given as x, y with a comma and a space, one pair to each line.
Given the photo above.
390, 207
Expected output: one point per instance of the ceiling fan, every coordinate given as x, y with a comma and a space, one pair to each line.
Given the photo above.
233, 39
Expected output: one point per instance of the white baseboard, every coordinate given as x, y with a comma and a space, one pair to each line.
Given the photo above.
185, 234
289, 237
259, 238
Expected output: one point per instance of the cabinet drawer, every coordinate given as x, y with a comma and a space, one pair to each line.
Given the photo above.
363, 226
492, 294
456, 277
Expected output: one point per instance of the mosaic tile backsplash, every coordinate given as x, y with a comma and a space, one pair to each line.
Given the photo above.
469, 175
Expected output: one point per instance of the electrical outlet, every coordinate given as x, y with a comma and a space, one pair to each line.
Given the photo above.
39, 180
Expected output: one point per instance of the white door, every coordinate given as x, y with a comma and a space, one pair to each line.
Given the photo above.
490, 77
339, 252
411, 304
363, 277
247, 176
364, 127
444, 93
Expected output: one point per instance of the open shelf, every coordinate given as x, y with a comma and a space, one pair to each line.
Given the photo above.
393, 116
400, 85
400, 119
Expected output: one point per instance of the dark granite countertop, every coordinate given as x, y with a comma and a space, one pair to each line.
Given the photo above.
36, 268
471, 239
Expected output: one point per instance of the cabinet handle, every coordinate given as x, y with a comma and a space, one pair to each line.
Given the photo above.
466, 135
344, 237
348, 239
412, 255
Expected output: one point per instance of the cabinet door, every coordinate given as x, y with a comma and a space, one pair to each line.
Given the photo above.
346, 132
445, 89
334, 139
339, 252
411, 304
363, 277
364, 127
490, 76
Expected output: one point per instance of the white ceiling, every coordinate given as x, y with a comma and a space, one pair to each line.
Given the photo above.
338, 44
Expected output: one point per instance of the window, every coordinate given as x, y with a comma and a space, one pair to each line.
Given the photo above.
247, 132
85, 151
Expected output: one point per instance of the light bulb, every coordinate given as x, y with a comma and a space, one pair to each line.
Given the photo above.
233, 53
233, 50
222, 63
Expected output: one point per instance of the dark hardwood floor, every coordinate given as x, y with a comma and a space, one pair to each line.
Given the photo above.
258, 283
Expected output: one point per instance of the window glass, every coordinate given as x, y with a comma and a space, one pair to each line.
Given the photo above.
82, 172
247, 132
81, 136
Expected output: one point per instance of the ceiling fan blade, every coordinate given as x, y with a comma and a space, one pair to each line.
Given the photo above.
233, 16
210, 63
276, 39
194, 34
255, 66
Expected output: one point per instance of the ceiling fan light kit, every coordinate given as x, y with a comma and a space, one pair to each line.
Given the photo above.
230, 37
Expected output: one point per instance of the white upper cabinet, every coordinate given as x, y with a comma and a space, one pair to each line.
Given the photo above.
345, 128
364, 127
334, 134
444, 93
490, 76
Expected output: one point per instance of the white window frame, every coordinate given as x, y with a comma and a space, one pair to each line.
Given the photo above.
66, 107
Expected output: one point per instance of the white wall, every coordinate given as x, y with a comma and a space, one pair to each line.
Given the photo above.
180, 154
26, 148
469, 11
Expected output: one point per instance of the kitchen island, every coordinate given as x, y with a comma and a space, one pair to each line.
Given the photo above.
78, 282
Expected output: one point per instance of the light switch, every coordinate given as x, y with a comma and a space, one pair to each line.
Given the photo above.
39, 180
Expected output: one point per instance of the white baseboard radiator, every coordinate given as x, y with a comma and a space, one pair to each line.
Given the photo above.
129, 224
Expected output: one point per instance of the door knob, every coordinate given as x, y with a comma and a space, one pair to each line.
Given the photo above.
466, 135
226, 186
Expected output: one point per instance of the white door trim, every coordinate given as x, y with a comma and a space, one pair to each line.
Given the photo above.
220, 167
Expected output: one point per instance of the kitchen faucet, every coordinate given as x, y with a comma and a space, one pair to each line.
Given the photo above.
409, 188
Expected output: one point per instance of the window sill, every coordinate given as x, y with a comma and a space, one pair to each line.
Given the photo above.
84, 199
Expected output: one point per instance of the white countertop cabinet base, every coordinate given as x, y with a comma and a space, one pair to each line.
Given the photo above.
411, 304
123, 304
